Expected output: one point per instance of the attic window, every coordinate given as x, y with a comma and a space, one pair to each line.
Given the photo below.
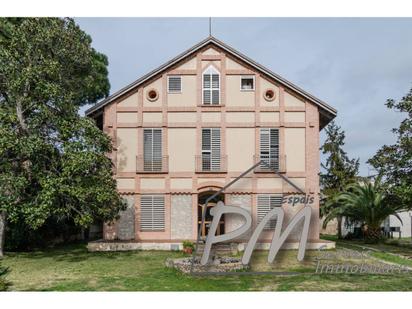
174, 84
211, 86
247, 83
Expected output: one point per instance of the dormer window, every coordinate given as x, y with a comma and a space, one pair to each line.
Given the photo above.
247, 83
174, 84
211, 86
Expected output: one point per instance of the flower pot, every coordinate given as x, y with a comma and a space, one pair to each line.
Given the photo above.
188, 250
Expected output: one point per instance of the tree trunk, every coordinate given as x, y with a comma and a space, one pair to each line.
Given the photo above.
339, 219
2, 232
373, 234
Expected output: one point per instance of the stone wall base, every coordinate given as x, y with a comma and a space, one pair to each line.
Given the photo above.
95, 246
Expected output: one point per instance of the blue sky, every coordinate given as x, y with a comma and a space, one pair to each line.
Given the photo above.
354, 64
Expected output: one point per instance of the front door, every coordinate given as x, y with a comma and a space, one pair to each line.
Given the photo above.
204, 228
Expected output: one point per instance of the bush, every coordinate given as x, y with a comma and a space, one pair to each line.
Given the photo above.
19, 237
4, 284
188, 247
188, 244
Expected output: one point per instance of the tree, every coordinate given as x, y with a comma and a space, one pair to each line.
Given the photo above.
394, 162
367, 203
53, 162
339, 171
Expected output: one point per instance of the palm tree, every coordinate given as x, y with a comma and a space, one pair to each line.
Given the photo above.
367, 203
330, 209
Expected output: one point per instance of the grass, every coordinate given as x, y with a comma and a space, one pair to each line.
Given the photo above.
390, 250
72, 268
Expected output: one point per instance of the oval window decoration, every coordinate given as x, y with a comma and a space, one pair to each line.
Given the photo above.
269, 95
152, 95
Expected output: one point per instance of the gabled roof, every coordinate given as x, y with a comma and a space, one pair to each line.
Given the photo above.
327, 111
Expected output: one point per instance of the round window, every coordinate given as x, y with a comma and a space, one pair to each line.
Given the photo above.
269, 95
152, 95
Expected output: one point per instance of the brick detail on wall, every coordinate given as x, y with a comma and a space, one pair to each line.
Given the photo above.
126, 224
181, 216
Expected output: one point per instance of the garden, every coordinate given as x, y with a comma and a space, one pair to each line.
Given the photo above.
73, 268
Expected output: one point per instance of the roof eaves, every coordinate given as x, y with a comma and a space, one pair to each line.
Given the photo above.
222, 45
147, 76
275, 76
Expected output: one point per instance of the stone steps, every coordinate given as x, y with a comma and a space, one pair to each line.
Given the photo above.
219, 249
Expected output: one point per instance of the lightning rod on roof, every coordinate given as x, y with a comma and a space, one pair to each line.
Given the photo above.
210, 26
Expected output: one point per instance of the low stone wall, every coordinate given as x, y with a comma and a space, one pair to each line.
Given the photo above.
220, 264
95, 246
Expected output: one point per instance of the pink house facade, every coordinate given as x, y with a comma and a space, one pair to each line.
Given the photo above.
186, 129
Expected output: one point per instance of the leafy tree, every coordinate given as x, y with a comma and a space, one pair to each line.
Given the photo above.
367, 203
339, 171
53, 162
394, 162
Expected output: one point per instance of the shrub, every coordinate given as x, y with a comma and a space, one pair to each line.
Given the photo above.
188, 247
4, 284
21, 237
188, 244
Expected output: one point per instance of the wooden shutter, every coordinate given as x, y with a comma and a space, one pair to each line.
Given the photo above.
174, 84
211, 149
269, 148
152, 213
215, 89
266, 203
211, 87
207, 98
152, 149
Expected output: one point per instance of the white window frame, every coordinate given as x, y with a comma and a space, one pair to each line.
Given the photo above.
181, 84
210, 67
248, 77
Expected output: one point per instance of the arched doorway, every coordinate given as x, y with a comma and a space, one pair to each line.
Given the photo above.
202, 197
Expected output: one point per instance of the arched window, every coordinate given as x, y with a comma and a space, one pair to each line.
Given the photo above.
211, 86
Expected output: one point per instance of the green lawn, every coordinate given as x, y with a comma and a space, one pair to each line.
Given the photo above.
72, 268
392, 250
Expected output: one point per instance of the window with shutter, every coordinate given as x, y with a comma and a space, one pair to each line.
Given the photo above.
266, 203
269, 148
211, 149
174, 84
211, 86
152, 149
152, 213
